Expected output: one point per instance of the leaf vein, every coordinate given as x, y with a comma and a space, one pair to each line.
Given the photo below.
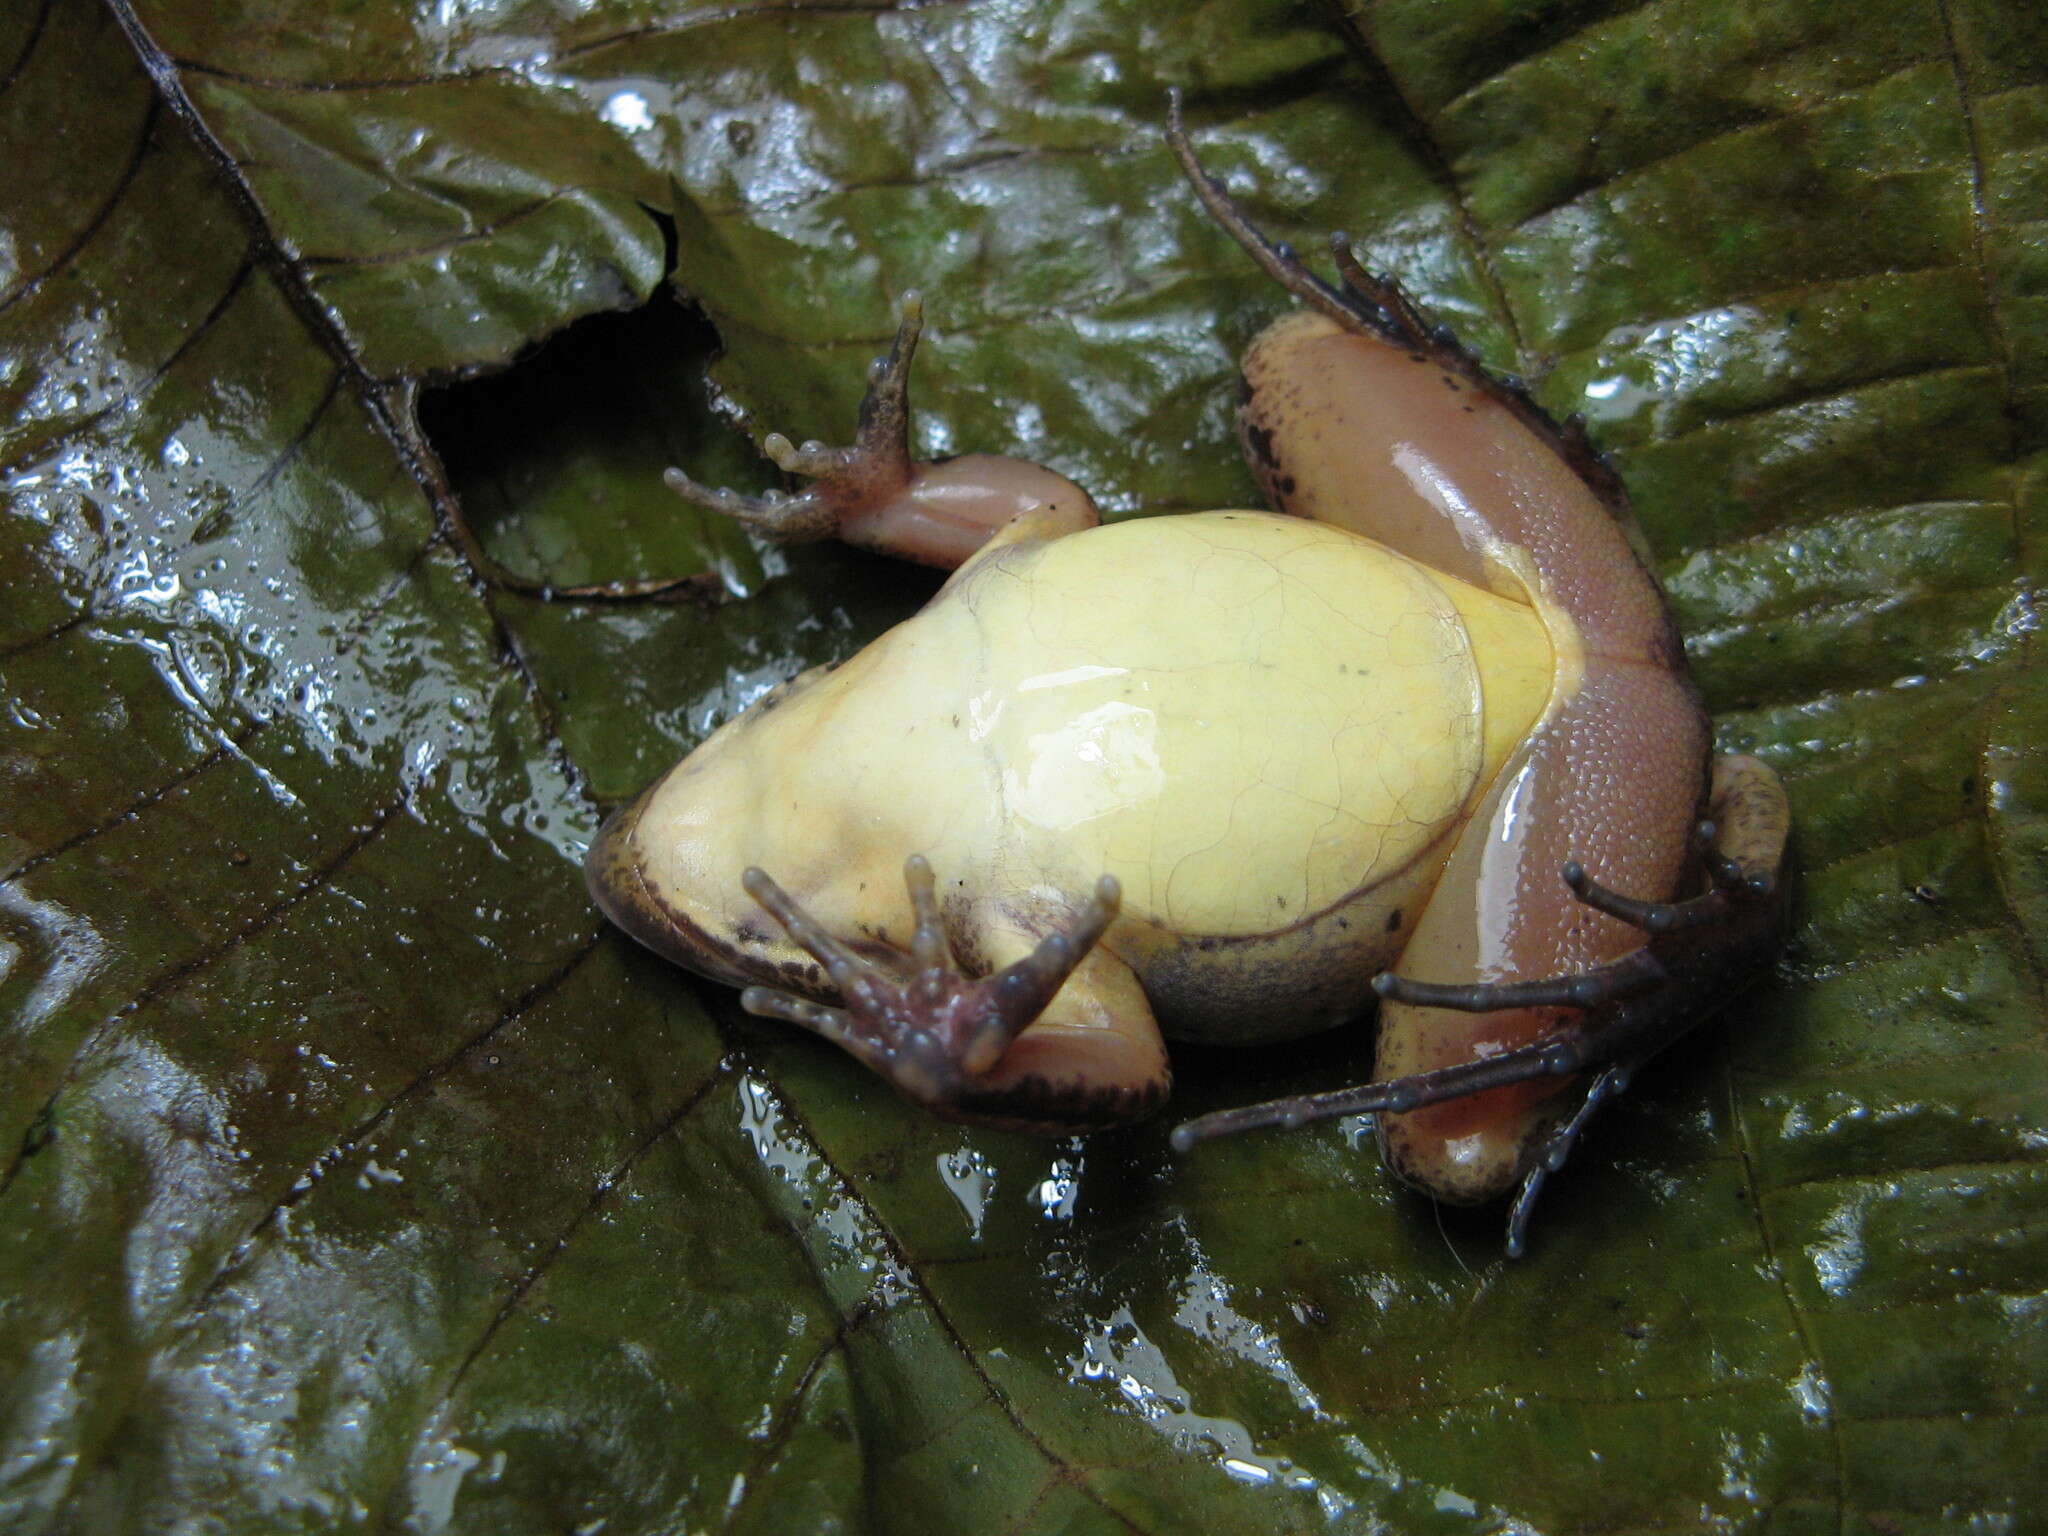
315, 1171
92, 226
169, 980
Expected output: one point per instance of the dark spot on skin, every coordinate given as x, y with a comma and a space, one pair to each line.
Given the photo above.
1453, 385
1469, 410
1417, 357
1260, 440
1394, 921
1286, 485
1280, 901
747, 931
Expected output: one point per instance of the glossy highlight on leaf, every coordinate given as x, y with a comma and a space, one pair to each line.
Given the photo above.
353, 1174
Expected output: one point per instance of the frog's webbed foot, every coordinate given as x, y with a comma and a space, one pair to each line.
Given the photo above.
934, 1033
1626, 1011
1375, 304
875, 470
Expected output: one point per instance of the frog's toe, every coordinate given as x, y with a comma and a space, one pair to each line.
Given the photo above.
804, 518
1624, 1011
847, 483
930, 1028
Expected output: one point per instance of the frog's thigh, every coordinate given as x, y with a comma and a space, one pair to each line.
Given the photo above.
1353, 432
1092, 1058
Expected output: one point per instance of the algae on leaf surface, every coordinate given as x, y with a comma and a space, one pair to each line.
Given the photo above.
352, 1174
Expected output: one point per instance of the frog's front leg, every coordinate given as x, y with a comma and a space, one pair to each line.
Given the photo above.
1059, 1040
873, 494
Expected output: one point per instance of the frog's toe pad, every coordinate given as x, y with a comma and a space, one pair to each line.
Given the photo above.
872, 473
931, 1029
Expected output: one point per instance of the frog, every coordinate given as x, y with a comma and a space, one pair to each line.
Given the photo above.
1416, 739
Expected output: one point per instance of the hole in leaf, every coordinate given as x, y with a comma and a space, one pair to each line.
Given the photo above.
558, 459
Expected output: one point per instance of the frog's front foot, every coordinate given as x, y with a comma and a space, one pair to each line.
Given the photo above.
875, 495
938, 1034
847, 483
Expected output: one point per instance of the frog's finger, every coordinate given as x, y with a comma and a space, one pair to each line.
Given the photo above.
1607, 1083
773, 1003
800, 519
872, 472
1634, 973
928, 947
840, 963
1731, 884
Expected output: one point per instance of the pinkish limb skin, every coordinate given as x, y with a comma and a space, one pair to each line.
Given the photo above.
940, 1032
1364, 414
850, 481
873, 494
1375, 305
1630, 1009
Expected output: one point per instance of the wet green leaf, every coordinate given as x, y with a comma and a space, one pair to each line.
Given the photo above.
351, 1174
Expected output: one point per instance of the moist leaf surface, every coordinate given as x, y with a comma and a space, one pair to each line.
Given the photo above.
353, 1174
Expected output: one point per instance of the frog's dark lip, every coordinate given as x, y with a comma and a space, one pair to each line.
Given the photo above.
613, 874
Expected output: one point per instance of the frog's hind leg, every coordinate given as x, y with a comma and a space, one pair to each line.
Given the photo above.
1627, 1010
1060, 1040
1374, 304
872, 493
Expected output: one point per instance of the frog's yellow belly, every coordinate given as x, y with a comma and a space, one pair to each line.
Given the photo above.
1243, 717
1267, 729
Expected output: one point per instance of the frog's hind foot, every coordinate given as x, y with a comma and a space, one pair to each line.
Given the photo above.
869, 474
936, 1031
1626, 1011
1368, 302
1375, 304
